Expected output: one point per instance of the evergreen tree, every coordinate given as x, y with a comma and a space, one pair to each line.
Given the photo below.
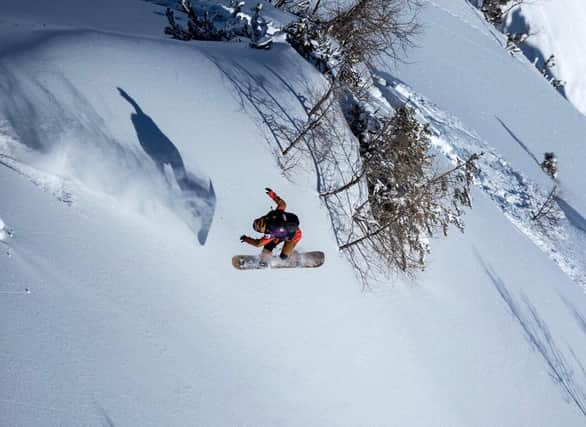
310, 41
407, 202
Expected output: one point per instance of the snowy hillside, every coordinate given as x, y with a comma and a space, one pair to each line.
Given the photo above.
131, 163
505, 109
556, 27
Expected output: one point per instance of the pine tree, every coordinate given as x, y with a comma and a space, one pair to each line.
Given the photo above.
311, 42
407, 202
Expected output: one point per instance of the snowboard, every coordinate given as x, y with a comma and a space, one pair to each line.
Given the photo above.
296, 260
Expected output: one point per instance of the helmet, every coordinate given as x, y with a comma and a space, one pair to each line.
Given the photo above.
259, 225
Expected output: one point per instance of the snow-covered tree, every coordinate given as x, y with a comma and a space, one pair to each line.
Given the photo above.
209, 23
550, 164
296, 7
367, 29
549, 63
546, 72
198, 27
495, 11
351, 33
492, 10
259, 26
514, 40
237, 24
407, 201
312, 42
557, 83
547, 212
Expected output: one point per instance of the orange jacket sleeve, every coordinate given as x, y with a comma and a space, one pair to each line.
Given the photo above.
281, 204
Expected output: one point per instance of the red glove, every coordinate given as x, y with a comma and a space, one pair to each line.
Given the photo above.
271, 194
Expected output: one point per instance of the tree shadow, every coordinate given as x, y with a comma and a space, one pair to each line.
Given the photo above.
518, 141
197, 193
105, 418
580, 318
539, 336
575, 218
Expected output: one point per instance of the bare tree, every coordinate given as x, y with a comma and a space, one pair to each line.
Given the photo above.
407, 202
357, 32
495, 11
315, 115
368, 28
548, 212
296, 7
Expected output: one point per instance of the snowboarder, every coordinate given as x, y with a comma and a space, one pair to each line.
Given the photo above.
278, 227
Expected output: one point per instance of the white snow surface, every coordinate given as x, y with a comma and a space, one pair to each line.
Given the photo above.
118, 303
3, 232
556, 27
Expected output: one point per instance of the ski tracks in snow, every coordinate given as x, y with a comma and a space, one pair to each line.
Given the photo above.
514, 194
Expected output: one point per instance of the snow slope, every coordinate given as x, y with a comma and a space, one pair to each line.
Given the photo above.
118, 302
505, 109
556, 27
504, 100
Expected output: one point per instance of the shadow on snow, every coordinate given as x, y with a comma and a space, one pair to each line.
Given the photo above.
575, 218
539, 336
198, 195
284, 117
518, 141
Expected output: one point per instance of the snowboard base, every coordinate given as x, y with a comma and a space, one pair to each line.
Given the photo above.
296, 260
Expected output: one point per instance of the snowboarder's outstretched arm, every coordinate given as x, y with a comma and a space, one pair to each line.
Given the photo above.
281, 204
255, 242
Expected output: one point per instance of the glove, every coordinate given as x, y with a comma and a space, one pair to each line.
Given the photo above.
270, 193
244, 238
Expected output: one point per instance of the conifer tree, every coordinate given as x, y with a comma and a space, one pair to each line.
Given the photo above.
407, 202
